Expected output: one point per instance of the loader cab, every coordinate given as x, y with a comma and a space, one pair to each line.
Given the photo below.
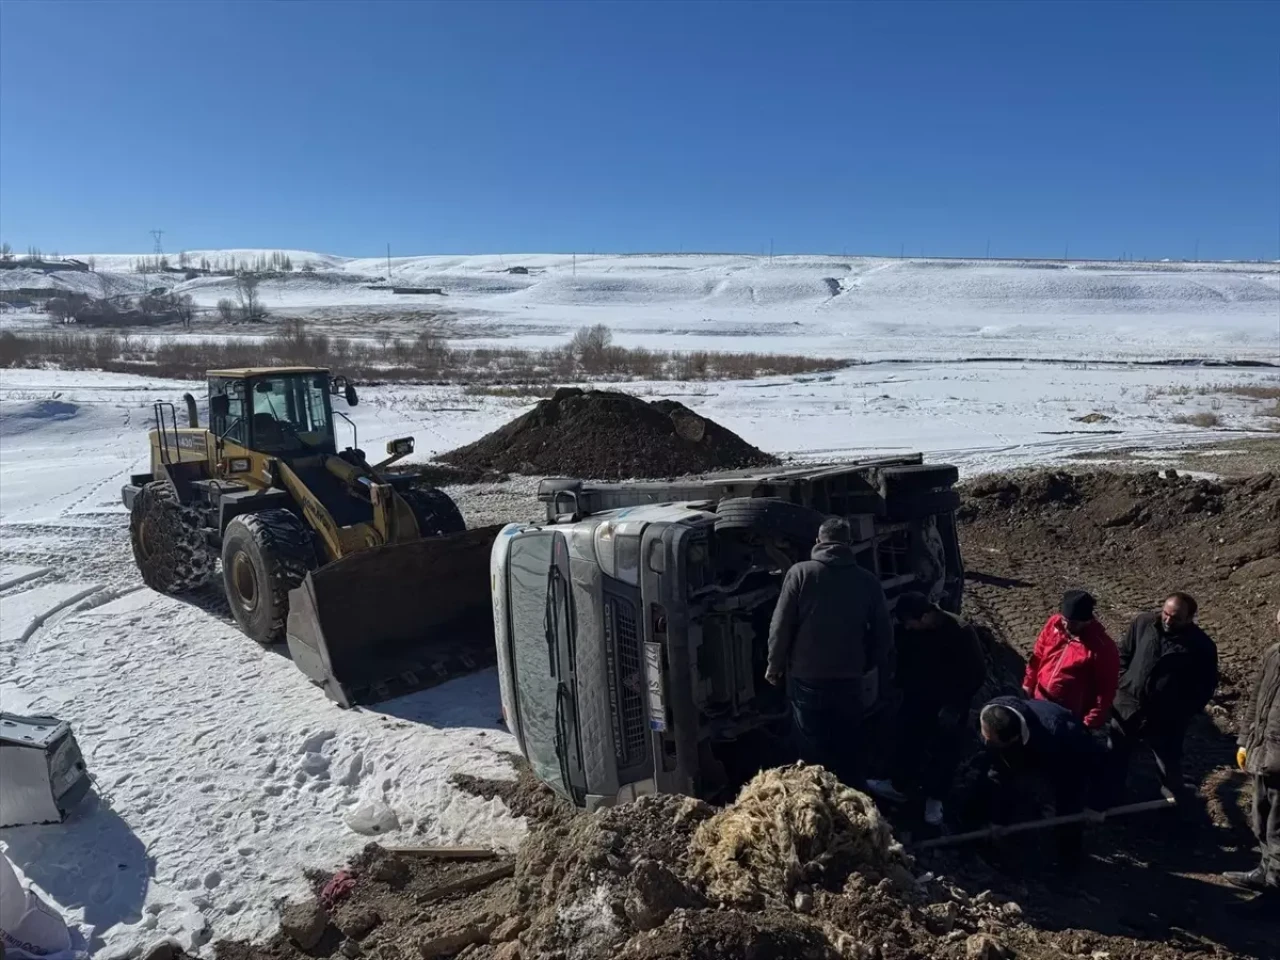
286, 413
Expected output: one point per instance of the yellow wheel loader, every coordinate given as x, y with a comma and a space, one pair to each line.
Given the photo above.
371, 578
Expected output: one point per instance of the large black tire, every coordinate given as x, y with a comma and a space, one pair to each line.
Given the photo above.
922, 505
264, 556
169, 545
435, 511
917, 478
769, 518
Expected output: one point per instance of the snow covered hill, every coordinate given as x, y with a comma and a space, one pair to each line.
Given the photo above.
849, 306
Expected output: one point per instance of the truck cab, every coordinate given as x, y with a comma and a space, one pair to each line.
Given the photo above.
632, 625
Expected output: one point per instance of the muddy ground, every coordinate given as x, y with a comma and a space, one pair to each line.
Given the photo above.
626, 883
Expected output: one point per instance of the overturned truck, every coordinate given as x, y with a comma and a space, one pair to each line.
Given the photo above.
632, 625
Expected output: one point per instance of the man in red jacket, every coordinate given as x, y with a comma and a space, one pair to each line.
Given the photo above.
1075, 663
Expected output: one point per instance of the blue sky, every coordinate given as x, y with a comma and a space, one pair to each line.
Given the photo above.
1108, 129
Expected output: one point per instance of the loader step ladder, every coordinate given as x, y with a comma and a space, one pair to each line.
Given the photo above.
162, 407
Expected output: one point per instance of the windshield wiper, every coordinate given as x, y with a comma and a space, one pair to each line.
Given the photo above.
549, 622
562, 742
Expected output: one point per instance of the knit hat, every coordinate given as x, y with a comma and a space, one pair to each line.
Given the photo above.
1078, 605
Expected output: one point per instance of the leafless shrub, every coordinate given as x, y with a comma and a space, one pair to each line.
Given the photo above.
226, 310
425, 357
590, 345
1202, 419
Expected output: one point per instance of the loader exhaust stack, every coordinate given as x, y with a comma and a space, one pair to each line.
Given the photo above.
386, 622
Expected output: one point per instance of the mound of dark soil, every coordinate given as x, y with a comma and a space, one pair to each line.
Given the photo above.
603, 435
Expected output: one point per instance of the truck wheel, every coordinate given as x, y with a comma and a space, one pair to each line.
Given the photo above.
435, 511
169, 544
921, 505
769, 517
264, 556
917, 478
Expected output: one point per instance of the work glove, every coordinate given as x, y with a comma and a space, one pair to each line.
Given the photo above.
1241, 757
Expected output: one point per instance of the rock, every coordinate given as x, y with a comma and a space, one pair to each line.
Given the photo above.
350, 949
508, 929
391, 870
982, 946
164, 950
304, 923
355, 922
655, 892
507, 951
804, 902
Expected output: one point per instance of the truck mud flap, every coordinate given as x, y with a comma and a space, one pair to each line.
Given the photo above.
397, 619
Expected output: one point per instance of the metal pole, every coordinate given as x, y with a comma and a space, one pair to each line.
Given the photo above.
987, 832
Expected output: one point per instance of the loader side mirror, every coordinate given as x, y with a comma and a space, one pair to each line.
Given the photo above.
219, 405
352, 399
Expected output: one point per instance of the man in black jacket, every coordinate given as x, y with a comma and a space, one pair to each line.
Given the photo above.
1168, 672
832, 640
942, 667
1259, 756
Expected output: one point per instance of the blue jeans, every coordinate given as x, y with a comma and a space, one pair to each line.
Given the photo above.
826, 721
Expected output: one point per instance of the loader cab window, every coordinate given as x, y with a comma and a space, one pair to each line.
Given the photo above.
227, 417
291, 414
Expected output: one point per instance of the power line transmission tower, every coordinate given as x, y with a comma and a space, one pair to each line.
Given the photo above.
158, 249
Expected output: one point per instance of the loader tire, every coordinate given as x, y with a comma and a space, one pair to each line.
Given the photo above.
264, 556
435, 511
169, 544
770, 518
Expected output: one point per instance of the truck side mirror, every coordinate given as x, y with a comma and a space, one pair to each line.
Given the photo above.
352, 399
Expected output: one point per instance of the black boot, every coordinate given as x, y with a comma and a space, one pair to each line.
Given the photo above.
1255, 879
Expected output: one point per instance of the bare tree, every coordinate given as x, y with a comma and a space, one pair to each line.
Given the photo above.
226, 310
247, 291
6, 251
186, 309
184, 259
590, 345
93, 264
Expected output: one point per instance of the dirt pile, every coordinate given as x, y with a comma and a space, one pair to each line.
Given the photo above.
603, 435
793, 827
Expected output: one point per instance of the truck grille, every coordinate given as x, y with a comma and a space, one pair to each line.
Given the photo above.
628, 683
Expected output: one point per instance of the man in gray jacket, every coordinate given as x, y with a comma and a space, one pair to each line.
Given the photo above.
832, 641
1259, 756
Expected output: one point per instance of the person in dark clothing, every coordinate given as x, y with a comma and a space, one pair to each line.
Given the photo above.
832, 640
940, 667
1259, 756
1039, 739
1168, 672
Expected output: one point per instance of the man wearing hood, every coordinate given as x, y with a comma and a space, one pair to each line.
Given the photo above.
832, 641
1075, 663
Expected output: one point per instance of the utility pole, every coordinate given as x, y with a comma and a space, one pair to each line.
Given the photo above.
1066, 254
988, 257
771, 249
388, 261
1197, 256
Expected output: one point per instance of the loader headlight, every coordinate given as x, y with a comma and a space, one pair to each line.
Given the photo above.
239, 465
400, 448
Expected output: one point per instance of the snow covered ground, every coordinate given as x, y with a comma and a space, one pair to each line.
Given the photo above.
222, 773
867, 308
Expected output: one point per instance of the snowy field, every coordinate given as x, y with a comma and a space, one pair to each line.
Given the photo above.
860, 307
222, 773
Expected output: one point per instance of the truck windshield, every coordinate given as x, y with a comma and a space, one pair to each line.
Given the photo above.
539, 642
291, 413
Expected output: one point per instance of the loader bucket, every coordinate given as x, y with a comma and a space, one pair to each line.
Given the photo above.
389, 621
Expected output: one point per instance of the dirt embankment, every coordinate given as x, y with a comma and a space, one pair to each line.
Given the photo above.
603, 435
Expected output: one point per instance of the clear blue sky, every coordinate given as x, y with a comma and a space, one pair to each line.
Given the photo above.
492, 127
